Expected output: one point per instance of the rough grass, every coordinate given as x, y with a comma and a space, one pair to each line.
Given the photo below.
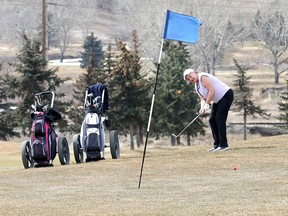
178, 180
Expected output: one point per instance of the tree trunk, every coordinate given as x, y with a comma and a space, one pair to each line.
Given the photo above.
131, 137
61, 56
276, 66
178, 140
213, 65
138, 137
141, 135
244, 125
173, 140
188, 140
276, 74
157, 136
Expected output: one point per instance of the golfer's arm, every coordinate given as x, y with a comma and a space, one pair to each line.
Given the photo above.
202, 102
208, 85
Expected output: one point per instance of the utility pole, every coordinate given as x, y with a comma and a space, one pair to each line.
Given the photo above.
286, 79
44, 34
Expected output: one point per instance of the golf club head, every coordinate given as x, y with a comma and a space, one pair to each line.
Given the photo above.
174, 135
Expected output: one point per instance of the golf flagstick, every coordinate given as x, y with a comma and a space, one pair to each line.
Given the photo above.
175, 28
151, 111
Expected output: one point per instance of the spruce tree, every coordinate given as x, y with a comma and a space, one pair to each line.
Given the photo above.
95, 73
109, 61
91, 45
175, 104
128, 93
283, 108
143, 87
7, 124
31, 77
243, 101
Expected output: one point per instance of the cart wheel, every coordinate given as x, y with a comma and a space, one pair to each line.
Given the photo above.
114, 145
78, 151
26, 155
63, 150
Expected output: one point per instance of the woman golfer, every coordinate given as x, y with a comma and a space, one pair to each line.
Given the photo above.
213, 91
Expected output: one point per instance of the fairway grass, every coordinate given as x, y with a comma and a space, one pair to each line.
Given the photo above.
181, 180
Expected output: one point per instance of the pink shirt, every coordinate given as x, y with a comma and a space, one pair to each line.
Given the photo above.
220, 88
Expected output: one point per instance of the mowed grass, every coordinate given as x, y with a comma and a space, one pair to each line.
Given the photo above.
177, 180
181, 180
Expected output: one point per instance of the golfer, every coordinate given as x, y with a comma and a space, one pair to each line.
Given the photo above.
213, 91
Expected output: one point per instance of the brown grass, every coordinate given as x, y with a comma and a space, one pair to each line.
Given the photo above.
178, 180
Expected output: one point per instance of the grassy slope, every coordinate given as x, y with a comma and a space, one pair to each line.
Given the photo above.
176, 181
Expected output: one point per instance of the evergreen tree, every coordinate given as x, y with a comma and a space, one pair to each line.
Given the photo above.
109, 62
91, 45
6, 125
31, 78
144, 87
243, 102
175, 104
283, 108
93, 75
128, 93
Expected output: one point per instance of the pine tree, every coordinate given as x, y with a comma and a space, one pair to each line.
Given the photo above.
6, 125
128, 93
143, 87
91, 45
31, 78
94, 74
243, 101
283, 108
109, 61
175, 104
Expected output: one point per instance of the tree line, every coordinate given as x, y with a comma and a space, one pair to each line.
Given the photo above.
221, 28
129, 91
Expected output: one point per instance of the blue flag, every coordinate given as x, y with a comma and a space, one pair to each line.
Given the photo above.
181, 27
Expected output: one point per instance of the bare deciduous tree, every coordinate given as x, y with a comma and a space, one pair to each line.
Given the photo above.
217, 33
271, 29
63, 23
19, 19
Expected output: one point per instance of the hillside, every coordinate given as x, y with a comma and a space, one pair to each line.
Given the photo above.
105, 26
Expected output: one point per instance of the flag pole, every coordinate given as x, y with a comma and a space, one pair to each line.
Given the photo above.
151, 111
175, 28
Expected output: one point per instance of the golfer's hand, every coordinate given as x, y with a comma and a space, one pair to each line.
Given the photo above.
204, 109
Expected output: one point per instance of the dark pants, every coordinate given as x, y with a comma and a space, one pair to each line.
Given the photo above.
218, 118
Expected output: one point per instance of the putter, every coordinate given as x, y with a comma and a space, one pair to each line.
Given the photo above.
186, 127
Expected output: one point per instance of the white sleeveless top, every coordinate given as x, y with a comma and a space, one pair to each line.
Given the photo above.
220, 88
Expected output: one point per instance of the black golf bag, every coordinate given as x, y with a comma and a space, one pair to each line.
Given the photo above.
92, 131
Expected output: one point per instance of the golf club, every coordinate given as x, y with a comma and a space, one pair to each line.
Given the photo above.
186, 127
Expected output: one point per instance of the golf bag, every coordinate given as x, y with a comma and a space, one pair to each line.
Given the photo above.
39, 140
43, 136
41, 148
92, 131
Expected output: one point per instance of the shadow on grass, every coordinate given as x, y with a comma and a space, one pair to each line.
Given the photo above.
255, 147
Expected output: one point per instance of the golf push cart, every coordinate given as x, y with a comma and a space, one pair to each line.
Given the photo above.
42, 146
91, 139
